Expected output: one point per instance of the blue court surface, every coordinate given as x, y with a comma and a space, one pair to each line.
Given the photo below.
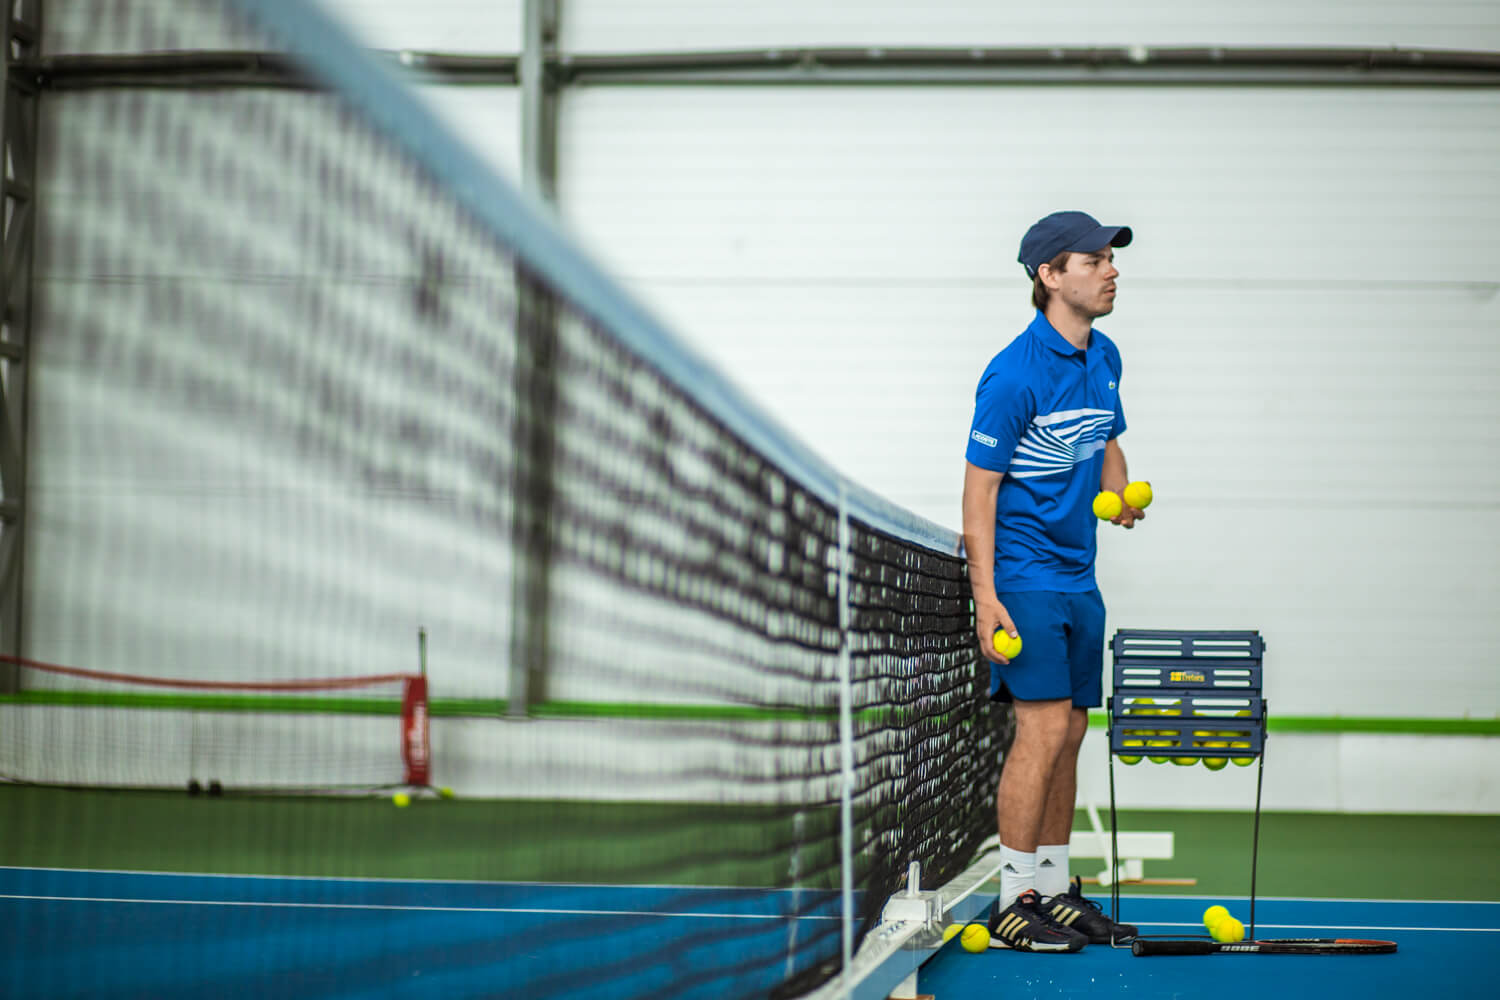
123, 934
1449, 949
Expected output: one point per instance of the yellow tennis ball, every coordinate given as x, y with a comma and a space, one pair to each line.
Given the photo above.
1184, 761
1212, 916
401, 799
446, 792
1138, 495
1130, 760
1107, 505
1227, 931
975, 938
951, 931
1007, 645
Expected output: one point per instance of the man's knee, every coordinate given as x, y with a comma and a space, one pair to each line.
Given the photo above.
1078, 727
1044, 725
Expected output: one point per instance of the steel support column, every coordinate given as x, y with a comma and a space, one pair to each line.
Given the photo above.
533, 530
18, 130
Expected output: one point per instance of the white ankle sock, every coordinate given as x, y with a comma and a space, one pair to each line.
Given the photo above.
1017, 874
1052, 869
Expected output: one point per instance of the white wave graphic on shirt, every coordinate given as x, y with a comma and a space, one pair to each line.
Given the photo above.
1055, 442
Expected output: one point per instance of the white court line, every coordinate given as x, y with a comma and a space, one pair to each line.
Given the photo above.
1325, 927
766, 890
1319, 899
384, 906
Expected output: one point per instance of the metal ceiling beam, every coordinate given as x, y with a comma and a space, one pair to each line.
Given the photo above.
1131, 65
843, 66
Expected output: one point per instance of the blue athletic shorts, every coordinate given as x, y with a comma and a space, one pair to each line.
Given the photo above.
1062, 649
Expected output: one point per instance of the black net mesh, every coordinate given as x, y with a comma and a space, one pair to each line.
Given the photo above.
297, 399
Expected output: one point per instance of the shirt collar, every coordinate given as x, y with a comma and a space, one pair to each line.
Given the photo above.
1042, 329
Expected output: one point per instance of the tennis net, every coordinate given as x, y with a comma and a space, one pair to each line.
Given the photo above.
309, 378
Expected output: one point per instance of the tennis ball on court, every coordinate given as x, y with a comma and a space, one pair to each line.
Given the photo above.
1212, 916
951, 931
1138, 495
446, 792
976, 938
1227, 931
1107, 505
401, 799
1006, 645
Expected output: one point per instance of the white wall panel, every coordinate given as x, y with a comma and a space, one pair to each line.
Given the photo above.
1312, 772
121, 26
488, 26
1308, 319
487, 119
612, 26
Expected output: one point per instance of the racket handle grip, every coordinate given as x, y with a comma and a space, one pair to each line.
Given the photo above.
1146, 946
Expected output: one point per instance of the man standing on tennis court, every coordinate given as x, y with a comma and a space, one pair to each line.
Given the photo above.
1044, 442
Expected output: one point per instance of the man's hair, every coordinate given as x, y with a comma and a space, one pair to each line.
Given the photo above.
1039, 293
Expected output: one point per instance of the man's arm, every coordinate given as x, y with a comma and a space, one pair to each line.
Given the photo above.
1114, 478
981, 488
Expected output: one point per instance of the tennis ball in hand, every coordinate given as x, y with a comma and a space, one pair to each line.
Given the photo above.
1228, 931
401, 799
976, 938
1212, 916
1006, 645
1107, 505
1138, 495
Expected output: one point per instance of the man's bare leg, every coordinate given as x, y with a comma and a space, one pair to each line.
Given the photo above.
1042, 730
1058, 812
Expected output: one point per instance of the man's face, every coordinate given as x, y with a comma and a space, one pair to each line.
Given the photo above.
1087, 285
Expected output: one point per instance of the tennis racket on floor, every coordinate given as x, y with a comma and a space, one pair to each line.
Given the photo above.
1274, 946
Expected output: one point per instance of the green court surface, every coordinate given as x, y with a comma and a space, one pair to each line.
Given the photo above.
1301, 854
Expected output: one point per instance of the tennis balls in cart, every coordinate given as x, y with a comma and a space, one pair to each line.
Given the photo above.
1006, 645
1107, 505
1138, 495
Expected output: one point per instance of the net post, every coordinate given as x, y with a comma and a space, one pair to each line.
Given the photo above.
846, 741
416, 743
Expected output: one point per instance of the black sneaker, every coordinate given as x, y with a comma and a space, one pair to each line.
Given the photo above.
1073, 910
1025, 927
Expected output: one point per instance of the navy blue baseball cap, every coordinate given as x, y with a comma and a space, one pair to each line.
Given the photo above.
1078, 232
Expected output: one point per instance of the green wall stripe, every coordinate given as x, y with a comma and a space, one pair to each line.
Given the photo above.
490, 707
1388, 725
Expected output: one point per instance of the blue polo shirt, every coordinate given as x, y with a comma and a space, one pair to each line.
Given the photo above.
1042, 414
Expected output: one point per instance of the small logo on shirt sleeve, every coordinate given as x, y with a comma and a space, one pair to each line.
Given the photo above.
983, 439
1112, 383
